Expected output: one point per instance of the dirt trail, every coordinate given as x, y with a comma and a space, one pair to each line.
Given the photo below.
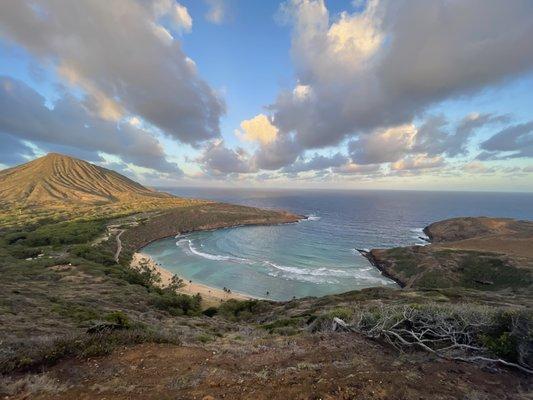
119, 245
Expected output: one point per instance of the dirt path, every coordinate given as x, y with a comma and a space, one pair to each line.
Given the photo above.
339, 366
119, 245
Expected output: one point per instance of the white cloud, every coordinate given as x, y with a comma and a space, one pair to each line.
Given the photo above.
418, 162
383, 145
217, 10
177, 14
258, 128
387, 65
122, 55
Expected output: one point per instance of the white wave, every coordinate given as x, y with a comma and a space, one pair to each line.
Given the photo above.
320, 272
357, 253
304, 278
422, 238
320, 275
313, 217
188, 245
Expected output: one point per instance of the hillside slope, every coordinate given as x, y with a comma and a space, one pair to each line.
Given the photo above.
57, 178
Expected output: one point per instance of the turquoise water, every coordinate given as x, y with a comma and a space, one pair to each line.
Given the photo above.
317, 256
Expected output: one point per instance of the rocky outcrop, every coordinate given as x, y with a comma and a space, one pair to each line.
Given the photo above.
455, 229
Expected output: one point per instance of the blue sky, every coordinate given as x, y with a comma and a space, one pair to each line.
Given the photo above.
299, 93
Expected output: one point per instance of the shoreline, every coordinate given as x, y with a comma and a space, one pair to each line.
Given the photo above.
211, 296
216, 228
381, 267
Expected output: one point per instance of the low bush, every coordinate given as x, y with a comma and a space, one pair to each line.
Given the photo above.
242, 309
76, 312
210, 312
71, 232
178, 304
92, 253
30, 355
283, 326
120, 318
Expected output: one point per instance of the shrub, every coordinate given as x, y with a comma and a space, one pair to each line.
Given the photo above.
204, 338
178, 304
22, 252
119, 318
76, 312
92, 253
210, 312
283, 326
71, 232
242, 309
343, 313
27, 355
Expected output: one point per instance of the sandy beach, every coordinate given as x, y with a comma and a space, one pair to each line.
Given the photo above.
210, 296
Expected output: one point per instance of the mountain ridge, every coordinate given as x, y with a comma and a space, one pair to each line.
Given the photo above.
57, 178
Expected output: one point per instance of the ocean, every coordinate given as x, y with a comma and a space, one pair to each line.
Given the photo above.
317, 256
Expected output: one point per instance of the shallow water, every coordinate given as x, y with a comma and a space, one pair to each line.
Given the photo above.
317, 256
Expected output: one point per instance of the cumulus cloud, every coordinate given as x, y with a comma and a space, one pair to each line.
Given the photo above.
69, 127
387, 145
123, 55
217, 160
276, 154
383, 67
418, 162
258, 128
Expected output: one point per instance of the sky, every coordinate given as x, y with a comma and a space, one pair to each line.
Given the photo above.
375, 94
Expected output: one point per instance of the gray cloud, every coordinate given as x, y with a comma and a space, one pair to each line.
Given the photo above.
386, 66
356, 169
68, 127
382, 146
274, 155
14, 151
317, 162
123, 55
512, 142
434, 137
218, 160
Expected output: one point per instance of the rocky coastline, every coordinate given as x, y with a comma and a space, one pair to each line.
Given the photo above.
473, 252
